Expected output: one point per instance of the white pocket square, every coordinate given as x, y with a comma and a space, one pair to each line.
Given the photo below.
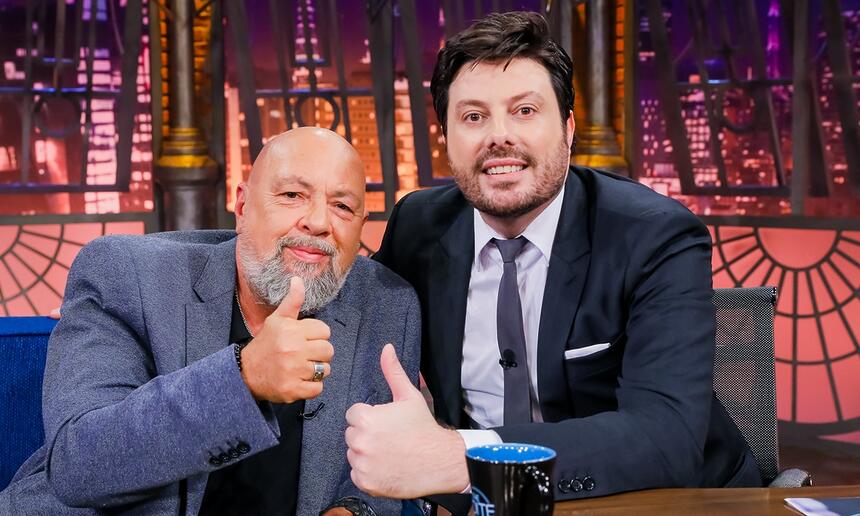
584, 352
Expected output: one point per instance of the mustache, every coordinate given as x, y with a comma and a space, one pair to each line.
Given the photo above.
503, 152
319, 244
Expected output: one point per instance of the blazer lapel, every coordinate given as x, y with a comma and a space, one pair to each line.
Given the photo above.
568, 270
207, 324
447, 289
323, 444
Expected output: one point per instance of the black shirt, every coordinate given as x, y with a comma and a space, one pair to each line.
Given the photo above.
267, 482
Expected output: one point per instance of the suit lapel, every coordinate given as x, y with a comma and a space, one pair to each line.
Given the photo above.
322, 436
447, 289
568, 270
207, 324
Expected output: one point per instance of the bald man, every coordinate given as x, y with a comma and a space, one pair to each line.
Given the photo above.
208, 372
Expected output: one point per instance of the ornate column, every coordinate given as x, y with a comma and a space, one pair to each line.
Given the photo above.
185, 171
597, 145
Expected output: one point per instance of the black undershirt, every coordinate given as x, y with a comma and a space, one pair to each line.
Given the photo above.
267, 482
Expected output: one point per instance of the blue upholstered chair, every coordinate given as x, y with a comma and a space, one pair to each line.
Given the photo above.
23, 344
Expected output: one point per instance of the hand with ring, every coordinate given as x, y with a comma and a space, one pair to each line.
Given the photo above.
319, 372
289, 357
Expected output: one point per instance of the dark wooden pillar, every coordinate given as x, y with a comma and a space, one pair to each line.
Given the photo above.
185, 172
597, 144
801, 104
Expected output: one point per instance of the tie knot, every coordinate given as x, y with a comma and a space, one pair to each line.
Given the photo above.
509, 249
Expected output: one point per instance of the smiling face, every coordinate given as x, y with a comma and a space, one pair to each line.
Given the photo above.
507, 149
300, 213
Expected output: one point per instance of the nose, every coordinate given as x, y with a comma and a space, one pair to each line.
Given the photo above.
499, 134
315, 221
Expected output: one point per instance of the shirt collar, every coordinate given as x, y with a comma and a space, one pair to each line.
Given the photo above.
541, 231
239, 332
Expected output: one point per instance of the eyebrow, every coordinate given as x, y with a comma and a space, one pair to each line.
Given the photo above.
469, 102
289, 180
527, 94
345, 193
481, 104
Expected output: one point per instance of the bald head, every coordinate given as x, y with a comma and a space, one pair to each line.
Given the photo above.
306, 145
300, 212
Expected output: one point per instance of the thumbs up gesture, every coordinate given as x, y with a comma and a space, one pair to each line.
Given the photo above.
397, 450
279, 363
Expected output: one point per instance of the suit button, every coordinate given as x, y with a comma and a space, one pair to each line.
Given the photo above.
564, 485
234, 453
215, 461
576, 485
243, 447
588, 483
225, 458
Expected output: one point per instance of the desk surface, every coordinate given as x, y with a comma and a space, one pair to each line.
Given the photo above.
735, 502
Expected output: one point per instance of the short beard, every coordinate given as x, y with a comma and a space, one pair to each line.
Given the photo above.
547, 185
269, 277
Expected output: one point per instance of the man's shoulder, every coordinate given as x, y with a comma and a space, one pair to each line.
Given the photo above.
170, 239
159, 257
369, 277
159, 243
618, 197
436, 200
371, 287
424, 215
437, 195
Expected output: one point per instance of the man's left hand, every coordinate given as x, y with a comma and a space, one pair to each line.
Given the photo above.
397, 450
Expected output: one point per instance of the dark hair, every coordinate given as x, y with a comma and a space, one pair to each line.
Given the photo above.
501, 37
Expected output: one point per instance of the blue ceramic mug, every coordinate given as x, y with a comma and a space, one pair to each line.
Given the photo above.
511, 479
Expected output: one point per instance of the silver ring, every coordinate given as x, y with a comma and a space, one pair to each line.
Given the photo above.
319, 372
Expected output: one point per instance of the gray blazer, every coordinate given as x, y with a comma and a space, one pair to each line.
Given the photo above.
141, 388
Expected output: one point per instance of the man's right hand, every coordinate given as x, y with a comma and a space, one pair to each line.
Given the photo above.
278, 363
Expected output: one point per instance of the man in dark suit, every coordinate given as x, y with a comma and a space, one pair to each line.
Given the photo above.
186, 373
562, 306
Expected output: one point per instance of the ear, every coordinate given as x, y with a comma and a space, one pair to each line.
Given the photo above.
571, 128
239, 208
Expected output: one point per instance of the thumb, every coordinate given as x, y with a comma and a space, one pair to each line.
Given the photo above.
292, 302
398, 381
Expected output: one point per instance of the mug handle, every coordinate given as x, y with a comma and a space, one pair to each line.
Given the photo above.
542, 484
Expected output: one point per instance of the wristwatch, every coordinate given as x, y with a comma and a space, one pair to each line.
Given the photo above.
353, 504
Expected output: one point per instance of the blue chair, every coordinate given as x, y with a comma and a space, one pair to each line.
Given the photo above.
23, 345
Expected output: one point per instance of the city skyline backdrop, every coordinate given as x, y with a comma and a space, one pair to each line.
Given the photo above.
813, 259
748, 158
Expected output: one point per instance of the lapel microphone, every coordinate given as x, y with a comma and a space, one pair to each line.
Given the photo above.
313, 413
508, 359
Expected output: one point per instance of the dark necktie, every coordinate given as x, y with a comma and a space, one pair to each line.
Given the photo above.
511, 336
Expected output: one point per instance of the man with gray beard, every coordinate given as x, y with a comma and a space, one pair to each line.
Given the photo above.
186, 374
271, 280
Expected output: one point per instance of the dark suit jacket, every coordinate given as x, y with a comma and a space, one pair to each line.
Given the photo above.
142, 390
628, 266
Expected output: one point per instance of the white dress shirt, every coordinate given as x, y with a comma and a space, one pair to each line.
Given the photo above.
482, 378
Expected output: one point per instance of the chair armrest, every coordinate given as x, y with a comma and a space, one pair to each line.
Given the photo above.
793, 477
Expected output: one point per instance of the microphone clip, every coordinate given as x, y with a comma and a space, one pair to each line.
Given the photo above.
307, 416
508, 359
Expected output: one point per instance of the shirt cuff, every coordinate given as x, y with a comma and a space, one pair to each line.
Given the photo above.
474, 438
